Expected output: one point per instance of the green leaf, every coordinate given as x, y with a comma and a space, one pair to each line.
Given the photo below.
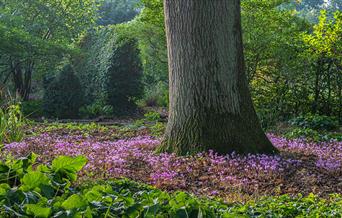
34, 179
74, 201
4, 188
96, 193
69, 165
88, 213
37, 211
182, 213
3, 167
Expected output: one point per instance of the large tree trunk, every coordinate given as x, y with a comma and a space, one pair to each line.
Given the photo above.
210, 103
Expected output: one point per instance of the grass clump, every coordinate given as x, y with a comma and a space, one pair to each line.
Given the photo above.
11, 124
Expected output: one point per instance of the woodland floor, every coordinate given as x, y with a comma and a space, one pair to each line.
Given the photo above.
116, 152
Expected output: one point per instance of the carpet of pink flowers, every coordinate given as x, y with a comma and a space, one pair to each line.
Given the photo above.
301, 167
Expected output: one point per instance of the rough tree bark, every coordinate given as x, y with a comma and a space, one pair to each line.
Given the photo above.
210, 103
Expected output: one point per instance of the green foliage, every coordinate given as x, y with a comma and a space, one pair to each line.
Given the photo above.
123, 85
16, 42
11, 124
316, 122
111, 70
157, 95
32, 108
95, 110
280, 52
268, 117
67, 167
39, 192
78, 127
323, 49
151, 120
305, 133
117, 11
63, 96
285, 206
148, 29
36, 35
272, 47
152, 116
158, 129
310, 9
326, 36
92, 64
314, 127
313, 135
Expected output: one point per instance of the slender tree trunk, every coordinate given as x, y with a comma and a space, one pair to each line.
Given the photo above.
27, 81
317, 85
22, 77
17, 78
328, 102
210, 103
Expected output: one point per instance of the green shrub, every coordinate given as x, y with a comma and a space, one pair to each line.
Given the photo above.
111, 71
63, 96
32, 108
156, 96
268, 117
48, 191
303, 133
95, 110
313, 135
11, 124
158, 129
316, 122
315, 128
123, 85
151, 120
152, 116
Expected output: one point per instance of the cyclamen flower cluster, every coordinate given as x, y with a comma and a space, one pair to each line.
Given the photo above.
328, 154
204, 173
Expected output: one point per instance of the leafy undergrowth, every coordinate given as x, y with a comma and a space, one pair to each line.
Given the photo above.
31, 190
113, 152
11, 123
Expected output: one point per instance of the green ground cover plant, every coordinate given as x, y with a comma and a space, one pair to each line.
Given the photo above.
30, 189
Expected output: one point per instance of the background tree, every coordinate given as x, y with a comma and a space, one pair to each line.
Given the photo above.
63, 94
117, 11
38, 33
210, 104
323, 49
149, 30
310, 9
110, 69
275, 69
278, 65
